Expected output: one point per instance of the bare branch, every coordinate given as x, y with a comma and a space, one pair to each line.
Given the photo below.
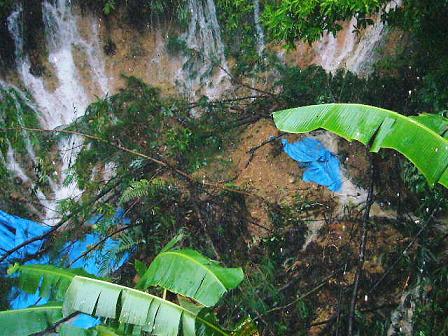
362, 248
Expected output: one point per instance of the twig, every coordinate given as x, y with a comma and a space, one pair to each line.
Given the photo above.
224, 101
366, 310
93, 247
52, 329
260, 226
204, 225
118, 146
311, 291
403, 253
362, 248
236, 80
252, 150
53, 228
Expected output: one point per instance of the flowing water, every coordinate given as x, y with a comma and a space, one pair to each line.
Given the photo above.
206, 70
351, 50
259, 29
69, 99
61, 99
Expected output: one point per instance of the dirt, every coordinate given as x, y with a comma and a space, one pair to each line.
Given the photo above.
272, 177
270, 174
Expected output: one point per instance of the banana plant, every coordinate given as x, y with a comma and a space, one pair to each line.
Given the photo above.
139, 311
189, 273
51, 282
29, 320
149, 313
418, 138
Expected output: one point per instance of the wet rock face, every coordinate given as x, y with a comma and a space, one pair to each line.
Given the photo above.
33, 35
66, 57
6, 48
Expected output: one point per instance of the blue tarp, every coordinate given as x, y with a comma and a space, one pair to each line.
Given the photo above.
321, 165
15, 230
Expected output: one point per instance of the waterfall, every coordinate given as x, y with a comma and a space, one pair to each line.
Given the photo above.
351, 51
203, 36
70, 98
19, 98
258, 28
366, 52
333, 51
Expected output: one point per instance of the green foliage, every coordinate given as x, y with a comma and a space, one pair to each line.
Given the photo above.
202, 279
141, 13
428, 197
136, 311
312, 85
268, 268
70, 330
109, 6
140, 267
427, 53
377, 128
236, 19
16, 111
149, 313
176, 46
156, 188
5, 7
140, 119
430, 313
292, 20
30, 320
51, 282
437, 122
178, 140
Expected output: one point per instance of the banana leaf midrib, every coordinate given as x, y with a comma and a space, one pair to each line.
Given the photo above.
195, 262
154, 297
44, 307
47, 271
331, 118
395, 114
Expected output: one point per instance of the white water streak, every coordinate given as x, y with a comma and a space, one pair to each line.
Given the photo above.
260, 33
204, 37
354, 52
70, 99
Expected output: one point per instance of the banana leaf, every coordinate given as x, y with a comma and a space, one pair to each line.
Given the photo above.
29, 320
189, 273
436, 122
377, 128
70, 330
52, 282
148, 312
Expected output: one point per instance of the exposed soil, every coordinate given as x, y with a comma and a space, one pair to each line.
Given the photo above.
333, 225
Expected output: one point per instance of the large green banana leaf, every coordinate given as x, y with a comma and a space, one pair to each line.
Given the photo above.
191, 274
70, 330
436, 122
151, 313
22, 322
49, 280
377, 128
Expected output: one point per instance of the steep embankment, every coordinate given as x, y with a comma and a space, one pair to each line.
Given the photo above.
83, 56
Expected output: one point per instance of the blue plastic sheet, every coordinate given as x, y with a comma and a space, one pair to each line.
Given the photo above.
15, 230
321, 165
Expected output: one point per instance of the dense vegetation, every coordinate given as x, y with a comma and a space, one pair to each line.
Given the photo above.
146, 153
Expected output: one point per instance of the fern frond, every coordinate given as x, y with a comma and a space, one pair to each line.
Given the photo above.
144, 188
